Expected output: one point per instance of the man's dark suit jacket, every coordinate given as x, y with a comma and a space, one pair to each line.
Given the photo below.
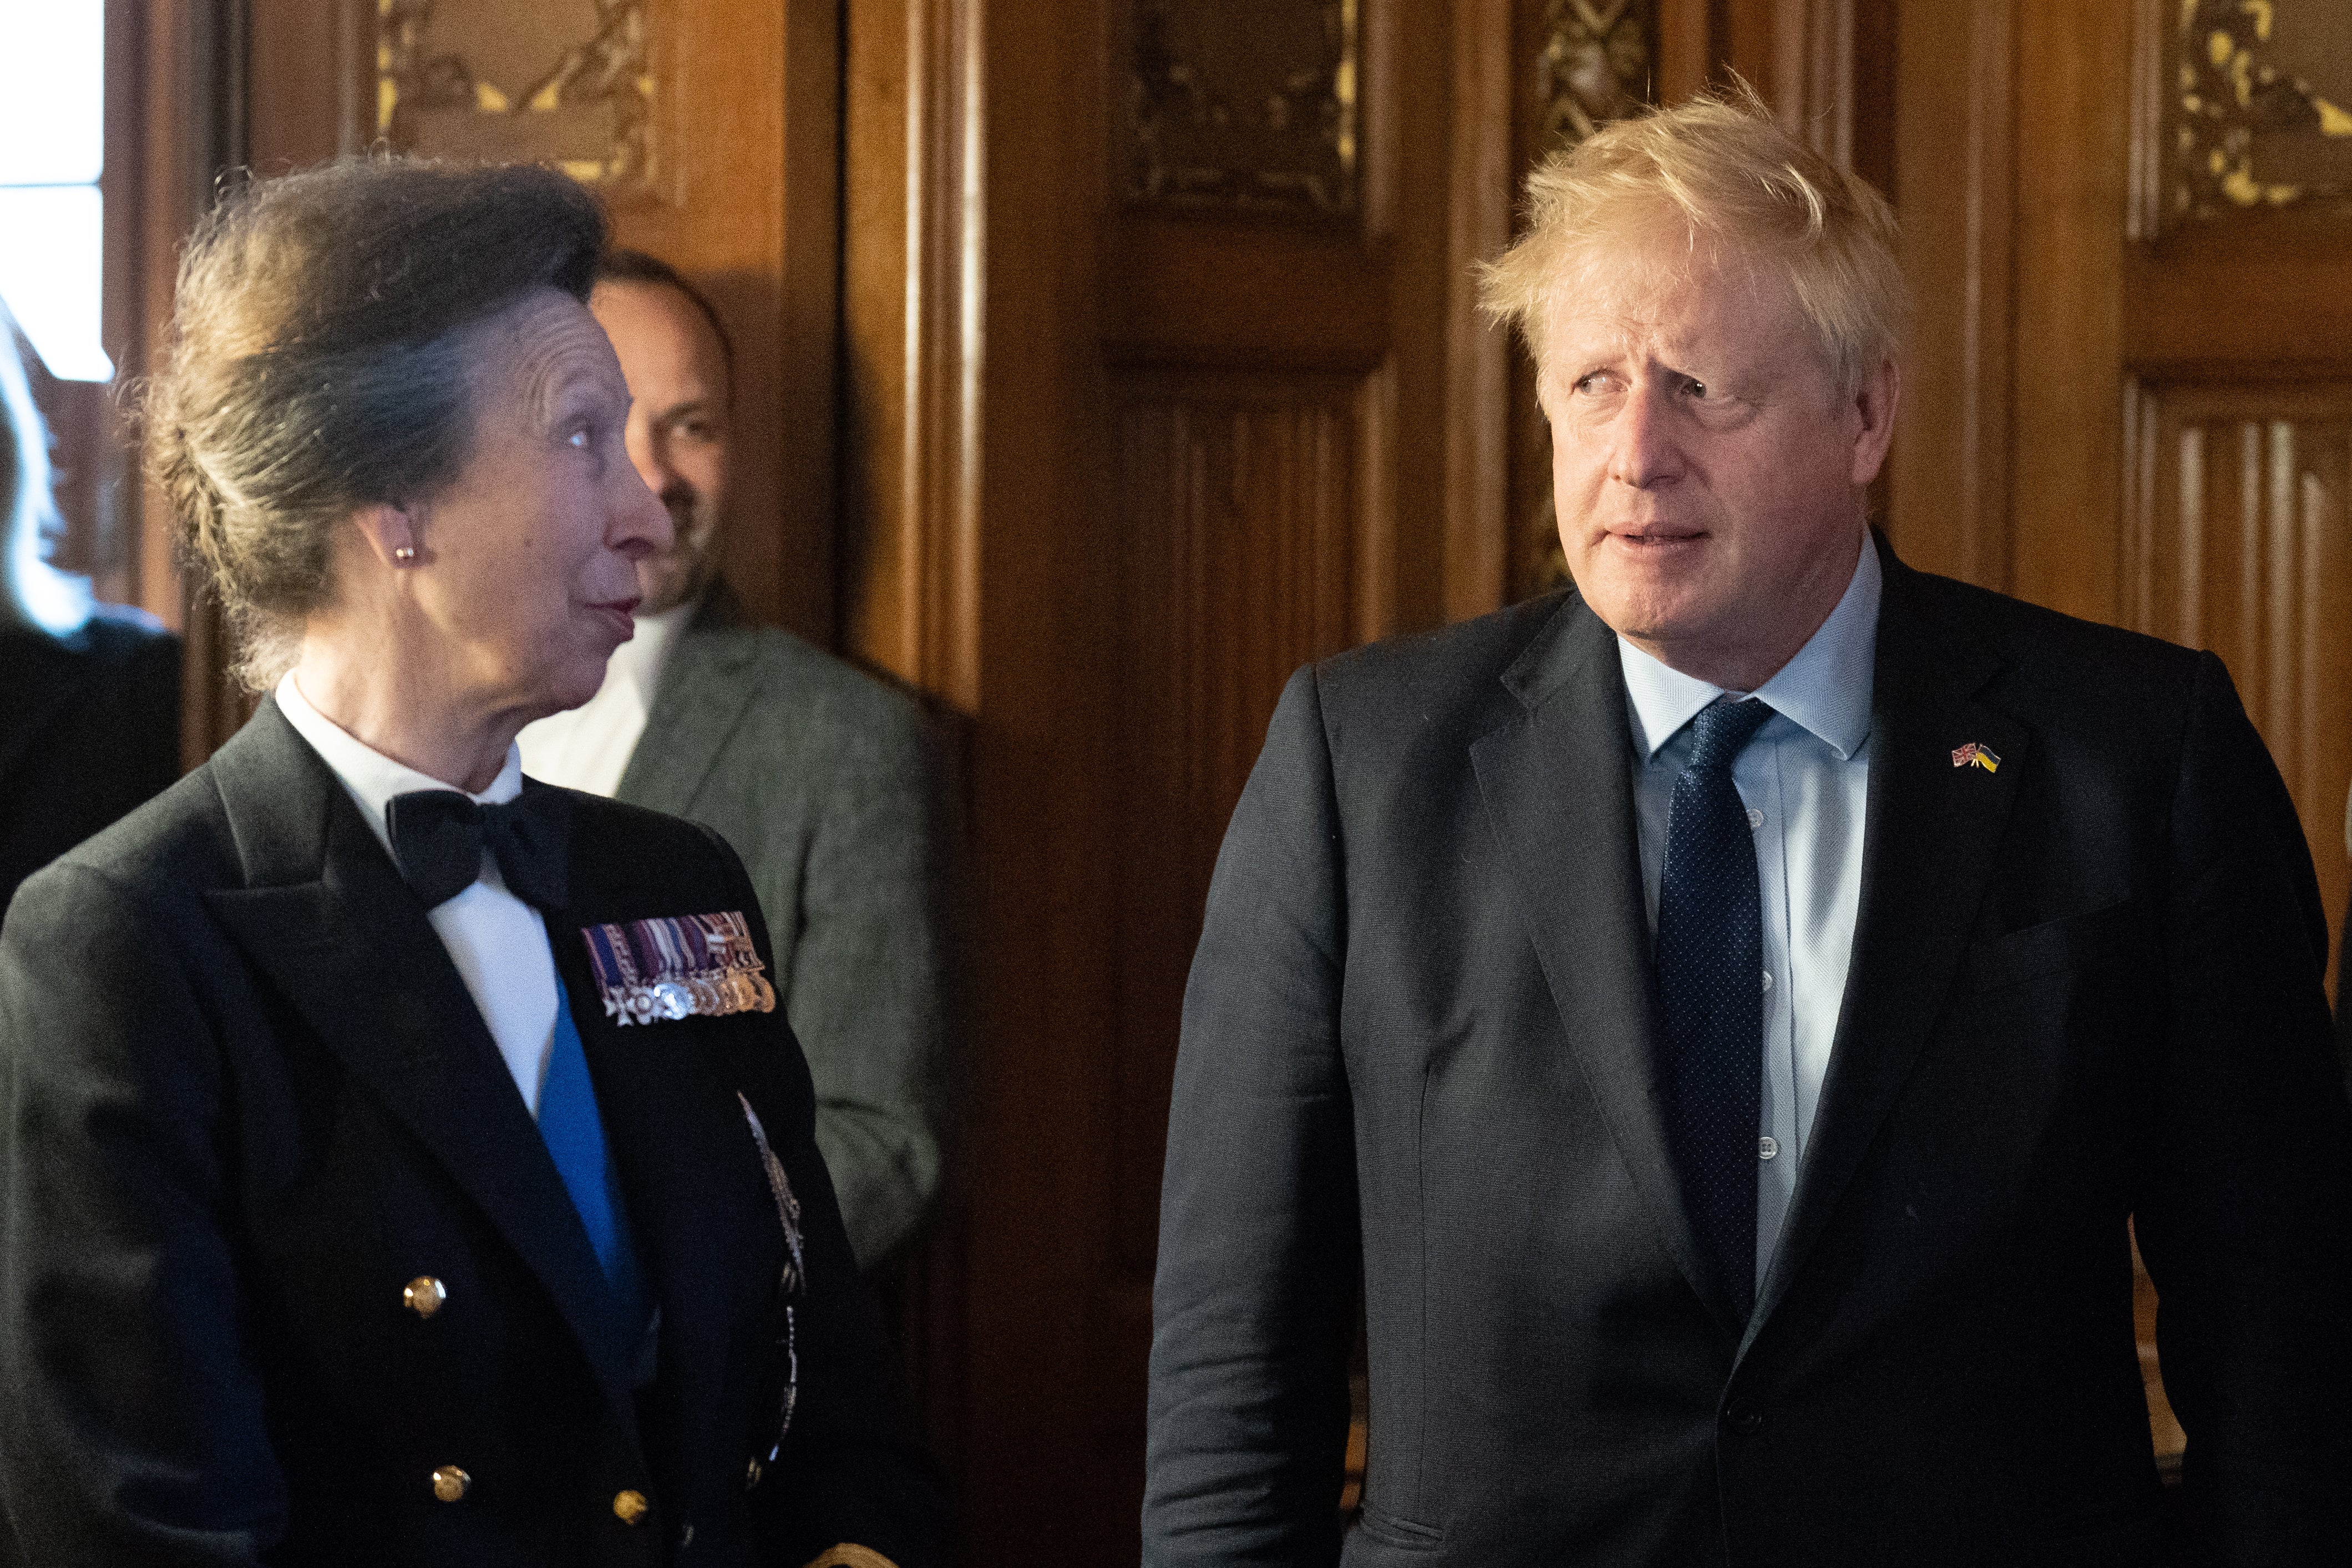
1417, 1050
91, 731
245, 1098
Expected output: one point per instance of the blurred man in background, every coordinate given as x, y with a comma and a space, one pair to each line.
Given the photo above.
826, 782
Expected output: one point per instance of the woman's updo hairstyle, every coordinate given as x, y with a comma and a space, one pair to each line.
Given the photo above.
318, 361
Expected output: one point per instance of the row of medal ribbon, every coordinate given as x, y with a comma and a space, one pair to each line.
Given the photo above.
709, 995
698, 965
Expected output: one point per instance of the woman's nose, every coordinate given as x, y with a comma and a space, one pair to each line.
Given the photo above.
641, 525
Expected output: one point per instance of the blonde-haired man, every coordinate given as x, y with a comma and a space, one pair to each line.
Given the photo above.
1724, 1015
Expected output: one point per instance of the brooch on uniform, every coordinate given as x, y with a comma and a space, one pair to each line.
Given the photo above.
780, 1188
678, 966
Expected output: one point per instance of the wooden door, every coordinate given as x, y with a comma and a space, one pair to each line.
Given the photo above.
1156, 412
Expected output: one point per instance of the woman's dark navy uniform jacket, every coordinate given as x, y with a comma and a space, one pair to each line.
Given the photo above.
245, 1099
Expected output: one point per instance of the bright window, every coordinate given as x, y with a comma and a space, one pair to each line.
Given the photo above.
52, 148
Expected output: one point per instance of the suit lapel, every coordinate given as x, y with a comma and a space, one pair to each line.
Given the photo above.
1557, 783
1929, 838
701, 699
327, 918
697, 1198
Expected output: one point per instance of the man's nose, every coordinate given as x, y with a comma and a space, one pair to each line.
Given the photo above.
1642, 451
649, 452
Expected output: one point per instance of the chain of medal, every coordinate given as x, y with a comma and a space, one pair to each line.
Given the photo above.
795, 1281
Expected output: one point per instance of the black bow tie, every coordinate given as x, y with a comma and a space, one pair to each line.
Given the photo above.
438, 836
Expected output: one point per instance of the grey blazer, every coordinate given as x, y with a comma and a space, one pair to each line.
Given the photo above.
830, 786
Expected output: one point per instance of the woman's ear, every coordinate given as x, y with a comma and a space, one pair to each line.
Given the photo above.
391, 534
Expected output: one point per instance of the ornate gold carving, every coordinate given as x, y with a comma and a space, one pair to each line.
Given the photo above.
1245, 107
1595, 66
2248, 133
589, 111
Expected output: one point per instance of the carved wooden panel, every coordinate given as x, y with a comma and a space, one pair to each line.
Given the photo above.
2247, 105
1597, 63
1244, 108
1949, 508
568, 82
1238, 501
2239, 540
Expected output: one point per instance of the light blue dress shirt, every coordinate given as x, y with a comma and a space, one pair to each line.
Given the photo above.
1805, 780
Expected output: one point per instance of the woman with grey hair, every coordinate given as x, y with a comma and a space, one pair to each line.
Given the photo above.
404, 1161
92, 727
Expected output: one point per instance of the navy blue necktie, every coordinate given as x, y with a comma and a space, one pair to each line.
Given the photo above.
1710, 958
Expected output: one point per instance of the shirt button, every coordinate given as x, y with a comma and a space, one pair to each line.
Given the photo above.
1768, 980
1755, 818
1743, 1420
1767, 1148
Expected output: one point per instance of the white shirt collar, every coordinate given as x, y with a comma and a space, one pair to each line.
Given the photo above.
1826, 688
373, 777
641, 659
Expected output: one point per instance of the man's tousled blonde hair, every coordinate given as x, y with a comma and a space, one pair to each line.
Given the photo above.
1720, 171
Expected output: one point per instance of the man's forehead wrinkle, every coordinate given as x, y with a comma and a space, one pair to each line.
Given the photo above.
1725, 319
1619, 290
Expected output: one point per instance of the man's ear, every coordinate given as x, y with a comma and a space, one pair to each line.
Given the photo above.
1874, 403
390, 533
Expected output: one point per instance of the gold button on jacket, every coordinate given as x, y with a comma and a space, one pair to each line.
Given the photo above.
629, 1506
349, 1084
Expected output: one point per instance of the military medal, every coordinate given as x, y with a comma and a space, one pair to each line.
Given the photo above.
678, 966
